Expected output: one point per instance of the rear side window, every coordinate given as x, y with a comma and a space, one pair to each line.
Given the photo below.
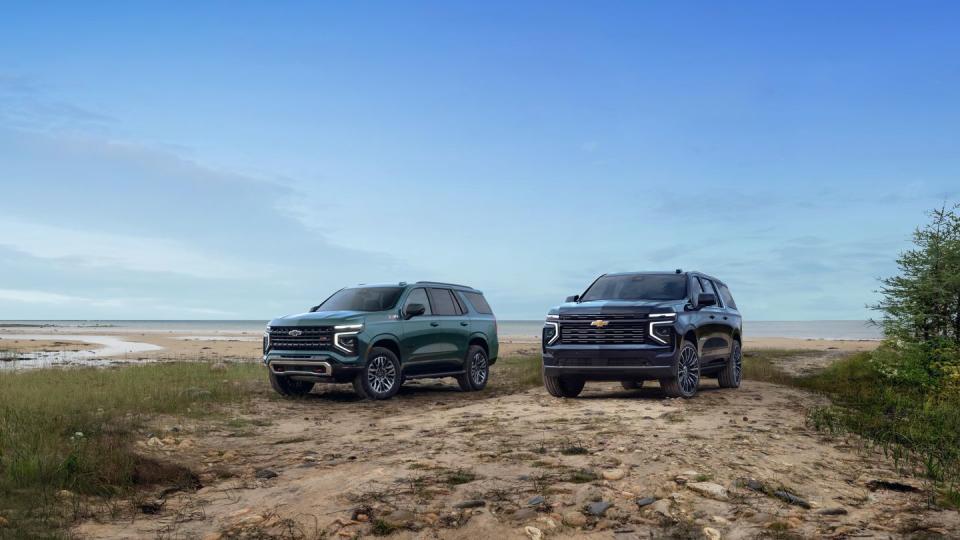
443, 302
727, 297
478, 302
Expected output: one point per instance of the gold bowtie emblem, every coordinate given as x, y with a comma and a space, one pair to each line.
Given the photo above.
599, 324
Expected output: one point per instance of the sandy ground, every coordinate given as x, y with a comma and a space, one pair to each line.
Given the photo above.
437, 463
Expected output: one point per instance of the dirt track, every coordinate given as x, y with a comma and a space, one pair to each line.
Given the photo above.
346, 468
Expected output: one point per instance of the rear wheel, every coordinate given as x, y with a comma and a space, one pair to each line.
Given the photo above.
285, 386
686, 377
380, 377
631, 385
476, 370
568, 387
730, 375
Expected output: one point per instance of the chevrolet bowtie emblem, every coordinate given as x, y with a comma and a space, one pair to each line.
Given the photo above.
295, 333
599, 323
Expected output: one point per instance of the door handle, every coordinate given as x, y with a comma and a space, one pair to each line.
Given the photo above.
463, 323
434, 324
724, 318
712, 317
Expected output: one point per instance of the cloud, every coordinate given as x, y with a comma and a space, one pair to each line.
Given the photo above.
37, 297
119, 251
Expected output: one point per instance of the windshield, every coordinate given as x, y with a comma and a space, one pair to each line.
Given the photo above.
362, 299
638, 287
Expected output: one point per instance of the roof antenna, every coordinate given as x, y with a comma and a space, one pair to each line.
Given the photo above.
679, 271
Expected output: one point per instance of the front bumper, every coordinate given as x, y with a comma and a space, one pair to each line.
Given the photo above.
609, 362
316, 366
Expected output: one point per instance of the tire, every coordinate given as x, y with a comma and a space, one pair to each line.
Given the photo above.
565, 387
476, 370
631, 385
732, 373
686, 376
380, 376
286, 386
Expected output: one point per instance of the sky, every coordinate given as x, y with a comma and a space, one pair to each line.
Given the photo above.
242, 160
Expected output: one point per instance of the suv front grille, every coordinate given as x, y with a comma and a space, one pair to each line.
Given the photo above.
310, 338
619, 330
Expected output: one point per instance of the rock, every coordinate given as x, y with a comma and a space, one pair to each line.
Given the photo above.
573, 518
265, 474
533, 533
835, 511
524, 514
537, 501
399, 519
711, 534
613, 474
661, 507
473, 503
598, 508
4, 522
186, 443
755, 485
219, 366
362, 518
154, 442
588, 494
645, 501
65, 494
709, 489
790, 498
195, 393
212, 536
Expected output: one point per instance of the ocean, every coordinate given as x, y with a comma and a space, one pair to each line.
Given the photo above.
825, 329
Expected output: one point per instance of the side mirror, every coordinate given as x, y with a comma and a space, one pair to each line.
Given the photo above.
706, 299
573, 298
414, 310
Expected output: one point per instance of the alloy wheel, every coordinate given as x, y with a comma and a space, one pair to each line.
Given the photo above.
478, 369
737, 364
688, 371
381, 374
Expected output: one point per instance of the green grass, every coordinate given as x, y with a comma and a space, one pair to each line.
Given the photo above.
74, 429
919, 430
518, 372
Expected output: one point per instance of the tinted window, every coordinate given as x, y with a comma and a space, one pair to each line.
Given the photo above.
362, 299
708, 288
727, 297
418, 296
638, 287
478, 302
443, 304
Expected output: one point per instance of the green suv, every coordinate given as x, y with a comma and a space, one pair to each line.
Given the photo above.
378, 336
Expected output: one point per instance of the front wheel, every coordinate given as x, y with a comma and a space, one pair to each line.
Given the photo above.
285, 386
732, 372
686, 377
476, 370
380, 378
567, 387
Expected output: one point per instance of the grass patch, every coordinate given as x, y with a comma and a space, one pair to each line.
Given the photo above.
74, 429
516, 372
918, 429
760, 364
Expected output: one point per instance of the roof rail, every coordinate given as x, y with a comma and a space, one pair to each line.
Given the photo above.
444, 284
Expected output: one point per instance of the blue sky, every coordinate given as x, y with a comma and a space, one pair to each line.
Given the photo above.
235, 160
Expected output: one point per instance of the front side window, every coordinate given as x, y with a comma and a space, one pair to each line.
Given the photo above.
418, 296
362, 299
443, 303
638, 287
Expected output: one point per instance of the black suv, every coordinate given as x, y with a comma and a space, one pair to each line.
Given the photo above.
673, 327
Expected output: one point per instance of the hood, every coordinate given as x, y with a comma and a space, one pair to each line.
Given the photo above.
319, 318
619, 307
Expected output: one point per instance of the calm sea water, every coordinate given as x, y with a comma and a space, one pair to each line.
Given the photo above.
508, 329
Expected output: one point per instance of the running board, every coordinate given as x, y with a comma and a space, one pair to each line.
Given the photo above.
434, 375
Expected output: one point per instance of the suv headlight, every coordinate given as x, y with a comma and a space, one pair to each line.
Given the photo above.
551, 329
345, 337
661, 327
266, 340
